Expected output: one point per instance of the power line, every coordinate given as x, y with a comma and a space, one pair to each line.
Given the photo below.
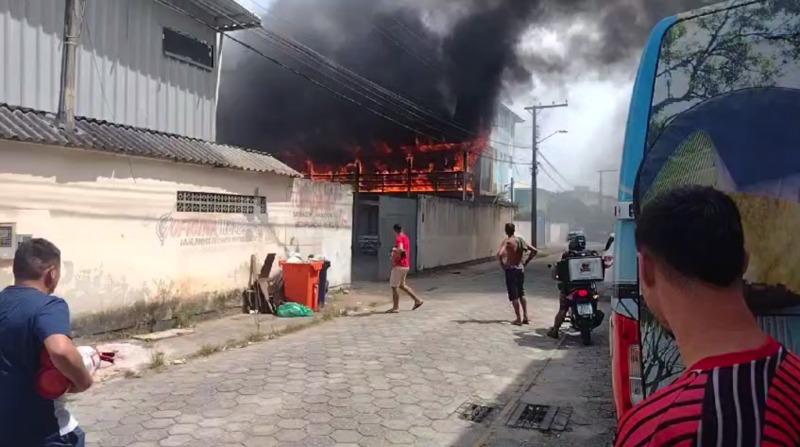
553, 179
401, 46
552, 167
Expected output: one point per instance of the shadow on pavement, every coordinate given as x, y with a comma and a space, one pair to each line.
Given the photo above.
572, 376
471, 321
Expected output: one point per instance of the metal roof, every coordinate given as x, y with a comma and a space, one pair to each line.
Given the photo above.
34, 126
222, 15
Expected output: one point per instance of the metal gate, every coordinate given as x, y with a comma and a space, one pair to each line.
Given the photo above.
395, 210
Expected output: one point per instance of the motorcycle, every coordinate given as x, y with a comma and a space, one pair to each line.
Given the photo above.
583, 314
577, 279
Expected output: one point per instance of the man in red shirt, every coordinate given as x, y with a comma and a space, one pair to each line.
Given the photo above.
742, 388
401, 262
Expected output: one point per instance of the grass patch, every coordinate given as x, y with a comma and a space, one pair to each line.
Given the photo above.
208, 349
131, 374
331, 312
184, 320
255, 337
157, 360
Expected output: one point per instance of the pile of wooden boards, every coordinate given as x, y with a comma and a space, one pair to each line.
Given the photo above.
261, 297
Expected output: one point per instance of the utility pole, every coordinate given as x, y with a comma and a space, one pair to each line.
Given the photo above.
73, 16
602, 200
534, 166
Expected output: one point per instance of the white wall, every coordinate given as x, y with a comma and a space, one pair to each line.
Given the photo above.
453, 231
123, 74
555, 233
122, 240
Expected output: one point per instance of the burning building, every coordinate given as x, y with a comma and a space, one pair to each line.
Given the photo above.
444, 168
414, 115
481, 166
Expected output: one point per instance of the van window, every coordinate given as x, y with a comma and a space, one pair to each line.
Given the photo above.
726, 101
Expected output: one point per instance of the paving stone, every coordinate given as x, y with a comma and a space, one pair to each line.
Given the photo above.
151, 435
396, 424
319, 441
345, 436
158, 423
319, 418
183, 429
344, 424
372, 430
292, 424
260, 441
291, 435
400, 437
175, 441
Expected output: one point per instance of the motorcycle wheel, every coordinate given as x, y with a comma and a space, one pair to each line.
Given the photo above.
586, 332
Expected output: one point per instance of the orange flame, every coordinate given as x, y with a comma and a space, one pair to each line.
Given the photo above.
428, 168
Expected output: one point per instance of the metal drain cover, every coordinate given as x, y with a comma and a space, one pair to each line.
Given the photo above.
540, 417
476, 412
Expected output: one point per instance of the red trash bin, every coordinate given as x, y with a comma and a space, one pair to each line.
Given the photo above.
301, 283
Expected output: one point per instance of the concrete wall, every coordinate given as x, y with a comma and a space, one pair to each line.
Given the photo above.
555, 233
123, 240
452, 231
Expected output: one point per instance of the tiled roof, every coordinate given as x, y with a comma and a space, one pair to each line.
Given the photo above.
34, 126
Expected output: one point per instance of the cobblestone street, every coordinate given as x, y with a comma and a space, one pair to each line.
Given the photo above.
373, 380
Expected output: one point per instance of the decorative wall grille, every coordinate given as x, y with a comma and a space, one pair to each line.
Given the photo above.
211, 202
6, 236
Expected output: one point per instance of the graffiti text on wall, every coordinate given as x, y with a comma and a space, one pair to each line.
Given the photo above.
208, 231
320, 205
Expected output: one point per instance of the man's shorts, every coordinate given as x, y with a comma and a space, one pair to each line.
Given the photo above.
515, 283
564, 303
398, 277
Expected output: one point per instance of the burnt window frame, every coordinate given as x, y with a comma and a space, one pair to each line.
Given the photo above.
187, 57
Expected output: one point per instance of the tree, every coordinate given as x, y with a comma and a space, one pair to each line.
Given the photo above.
738, 48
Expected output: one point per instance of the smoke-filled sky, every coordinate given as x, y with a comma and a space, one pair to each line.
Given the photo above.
456, 57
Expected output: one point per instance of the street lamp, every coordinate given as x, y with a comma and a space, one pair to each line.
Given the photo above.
551, 135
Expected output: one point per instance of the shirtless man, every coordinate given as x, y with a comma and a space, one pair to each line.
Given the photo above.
511, 249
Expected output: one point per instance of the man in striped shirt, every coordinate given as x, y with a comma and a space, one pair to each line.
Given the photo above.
742, 388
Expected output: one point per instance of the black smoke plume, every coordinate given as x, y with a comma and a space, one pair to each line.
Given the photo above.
454, 58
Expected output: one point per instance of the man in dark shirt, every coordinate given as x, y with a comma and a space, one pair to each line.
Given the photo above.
741, 388
576, 249
31, 319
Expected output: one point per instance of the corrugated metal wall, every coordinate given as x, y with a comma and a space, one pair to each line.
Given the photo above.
123, 75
